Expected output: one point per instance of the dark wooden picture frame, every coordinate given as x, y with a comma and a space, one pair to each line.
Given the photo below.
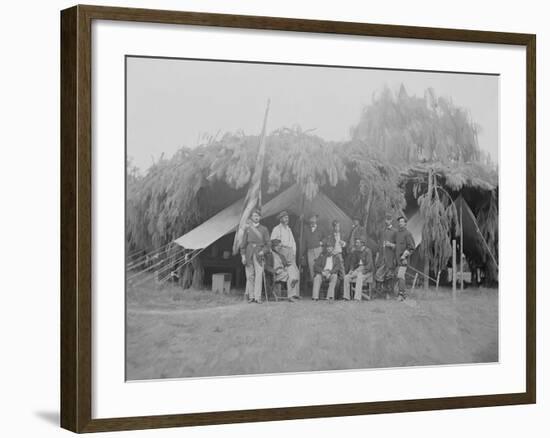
76, 218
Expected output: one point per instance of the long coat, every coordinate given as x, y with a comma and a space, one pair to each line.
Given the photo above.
312, 239
255, 239
387, 254
404, 241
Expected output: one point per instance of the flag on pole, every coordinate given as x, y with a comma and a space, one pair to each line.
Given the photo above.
254, 195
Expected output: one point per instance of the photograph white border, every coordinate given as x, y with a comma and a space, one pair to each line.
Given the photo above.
113, 397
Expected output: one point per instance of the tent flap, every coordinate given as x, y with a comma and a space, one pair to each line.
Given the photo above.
211, 230
291, 199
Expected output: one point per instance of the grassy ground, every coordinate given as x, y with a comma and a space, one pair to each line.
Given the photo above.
173, 333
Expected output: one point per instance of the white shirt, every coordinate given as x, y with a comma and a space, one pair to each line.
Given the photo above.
284, 234
328, 264
338, 244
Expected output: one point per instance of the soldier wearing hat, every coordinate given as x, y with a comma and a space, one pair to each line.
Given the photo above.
360, 270
358, 231
283, 233
385, 272
338, 244
255, 244
404, 247
313, 243
327, 267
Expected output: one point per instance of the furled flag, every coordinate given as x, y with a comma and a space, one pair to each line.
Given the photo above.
254, 195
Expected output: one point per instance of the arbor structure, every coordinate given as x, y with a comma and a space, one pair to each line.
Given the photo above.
402, 149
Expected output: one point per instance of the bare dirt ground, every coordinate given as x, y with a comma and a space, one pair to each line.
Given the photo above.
173, 333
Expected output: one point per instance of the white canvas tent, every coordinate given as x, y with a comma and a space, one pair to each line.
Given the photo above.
291, 199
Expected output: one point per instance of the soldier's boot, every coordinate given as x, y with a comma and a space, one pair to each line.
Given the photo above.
390, 288
402, 290
387, 288
379, 289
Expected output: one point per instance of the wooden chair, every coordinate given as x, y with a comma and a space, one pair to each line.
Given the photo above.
323, 290
278, 289
366, 290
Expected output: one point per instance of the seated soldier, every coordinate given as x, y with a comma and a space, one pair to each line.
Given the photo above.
351, 250
282, 270
360, 271
326, 268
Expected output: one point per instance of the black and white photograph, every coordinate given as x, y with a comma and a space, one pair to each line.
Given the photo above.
288, 218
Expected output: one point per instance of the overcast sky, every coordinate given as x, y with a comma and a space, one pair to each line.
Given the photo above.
172, 102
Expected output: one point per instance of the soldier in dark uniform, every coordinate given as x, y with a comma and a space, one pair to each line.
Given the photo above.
255, 244
327, 266
360, 271
404, 247
358, 231
312, 243
385, 272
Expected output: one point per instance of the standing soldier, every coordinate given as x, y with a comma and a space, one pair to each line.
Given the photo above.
357, 232
404, 247
336, 240
313, 240
386, 269
283, 233
255, 244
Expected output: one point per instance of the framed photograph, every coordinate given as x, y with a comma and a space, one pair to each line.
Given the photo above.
272, 218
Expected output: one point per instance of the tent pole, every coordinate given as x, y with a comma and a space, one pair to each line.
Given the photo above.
301, 232
426, 272
427, 252
486, 244
461, 251
454, 269
301, 242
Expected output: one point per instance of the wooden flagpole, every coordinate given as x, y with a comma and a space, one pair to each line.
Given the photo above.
253, 196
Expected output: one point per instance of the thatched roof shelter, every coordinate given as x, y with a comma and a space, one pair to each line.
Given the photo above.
400, 147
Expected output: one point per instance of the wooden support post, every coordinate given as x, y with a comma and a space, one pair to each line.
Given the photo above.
461, 250
426, 252
426, 273
454, 269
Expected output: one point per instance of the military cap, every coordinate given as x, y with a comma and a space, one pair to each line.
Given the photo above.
282, 214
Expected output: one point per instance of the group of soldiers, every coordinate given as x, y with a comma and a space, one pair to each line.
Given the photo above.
330, 256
